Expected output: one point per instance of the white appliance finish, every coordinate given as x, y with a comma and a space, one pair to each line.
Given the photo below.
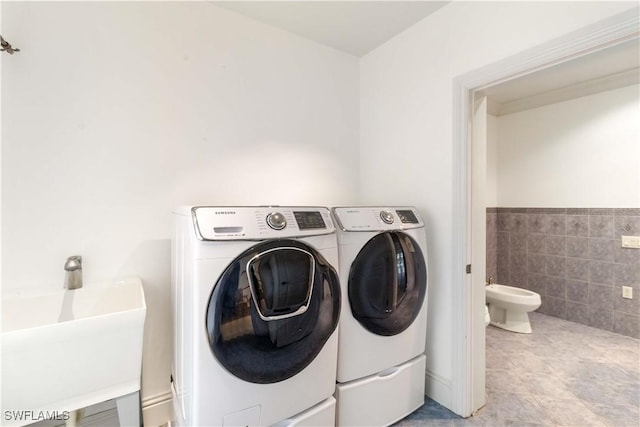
64, 350
381, 371
509, 307
211, 387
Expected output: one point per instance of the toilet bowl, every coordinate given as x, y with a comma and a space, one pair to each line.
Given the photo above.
509, 307
487, 318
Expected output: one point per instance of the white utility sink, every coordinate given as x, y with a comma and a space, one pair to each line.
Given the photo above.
63, 350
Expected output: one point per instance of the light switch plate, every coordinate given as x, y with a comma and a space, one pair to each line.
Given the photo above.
631, 241
627, 292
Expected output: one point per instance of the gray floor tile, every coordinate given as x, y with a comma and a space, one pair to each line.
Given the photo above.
617, 415
568, 412
521, 407
564, 374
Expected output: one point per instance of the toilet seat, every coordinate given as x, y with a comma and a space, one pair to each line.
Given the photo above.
512, 297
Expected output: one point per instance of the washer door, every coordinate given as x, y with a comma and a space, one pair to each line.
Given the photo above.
272, 311
388, 283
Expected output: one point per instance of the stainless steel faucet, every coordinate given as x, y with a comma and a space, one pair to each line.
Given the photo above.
73, 272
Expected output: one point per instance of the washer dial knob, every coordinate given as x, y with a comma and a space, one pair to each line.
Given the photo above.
386, 217
276, 221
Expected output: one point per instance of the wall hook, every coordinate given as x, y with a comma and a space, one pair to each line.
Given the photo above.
6, 46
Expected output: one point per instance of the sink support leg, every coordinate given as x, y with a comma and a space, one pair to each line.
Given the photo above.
74, 418
130, 410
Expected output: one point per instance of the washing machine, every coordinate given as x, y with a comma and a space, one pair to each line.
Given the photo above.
382, 335
256, 302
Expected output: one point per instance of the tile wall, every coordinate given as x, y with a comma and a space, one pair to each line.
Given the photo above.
573, 258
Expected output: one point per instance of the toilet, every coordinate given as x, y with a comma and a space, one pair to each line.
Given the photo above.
487, 318
509, 307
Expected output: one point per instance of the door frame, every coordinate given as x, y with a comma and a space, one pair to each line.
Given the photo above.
466, 396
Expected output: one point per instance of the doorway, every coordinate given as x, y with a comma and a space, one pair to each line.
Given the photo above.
469, 207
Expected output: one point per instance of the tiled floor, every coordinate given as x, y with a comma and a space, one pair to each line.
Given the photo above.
563, 374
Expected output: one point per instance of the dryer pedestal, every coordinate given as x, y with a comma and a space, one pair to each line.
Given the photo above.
323, 414
384, 398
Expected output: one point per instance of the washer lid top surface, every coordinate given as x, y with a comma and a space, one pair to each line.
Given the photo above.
377, 218
260, 222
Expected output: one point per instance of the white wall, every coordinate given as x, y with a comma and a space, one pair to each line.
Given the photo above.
406, 125
113, 113
582, 153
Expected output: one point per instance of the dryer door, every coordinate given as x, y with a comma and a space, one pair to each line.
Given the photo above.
388, 283
272, 311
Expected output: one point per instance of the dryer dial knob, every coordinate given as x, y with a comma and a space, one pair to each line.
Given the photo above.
276, 221
386, 217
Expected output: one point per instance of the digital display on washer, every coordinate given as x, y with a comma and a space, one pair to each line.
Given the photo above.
309, 220
407, 217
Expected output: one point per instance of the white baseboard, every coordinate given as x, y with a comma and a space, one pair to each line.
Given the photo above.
438, 388
157, 410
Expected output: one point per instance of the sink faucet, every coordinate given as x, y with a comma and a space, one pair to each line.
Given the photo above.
73, 272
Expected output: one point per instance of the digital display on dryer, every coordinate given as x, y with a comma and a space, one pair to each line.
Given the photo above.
407, 217
309, 220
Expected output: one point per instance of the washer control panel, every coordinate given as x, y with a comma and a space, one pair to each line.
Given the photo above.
386, 217
377, 218
260, 222
276, 220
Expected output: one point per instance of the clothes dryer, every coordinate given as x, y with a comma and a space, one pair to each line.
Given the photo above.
256, 302
383, 271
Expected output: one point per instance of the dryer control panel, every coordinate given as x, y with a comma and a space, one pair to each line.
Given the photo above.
377, 218
260, 222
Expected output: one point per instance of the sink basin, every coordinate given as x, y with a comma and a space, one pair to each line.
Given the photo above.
67, 349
